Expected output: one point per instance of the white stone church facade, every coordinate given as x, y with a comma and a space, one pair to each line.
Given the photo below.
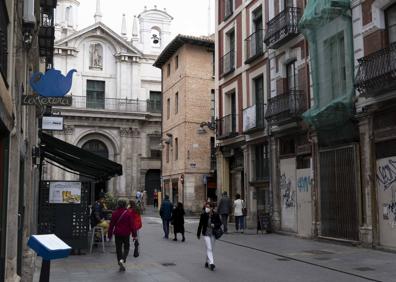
116, 109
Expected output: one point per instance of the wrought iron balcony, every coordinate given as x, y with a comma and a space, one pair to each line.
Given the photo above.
377, 72
227, 63
286, 107
226, 126
3, 39
46, 35
254, 118
117, 105
282, 28
254, 46
48, 3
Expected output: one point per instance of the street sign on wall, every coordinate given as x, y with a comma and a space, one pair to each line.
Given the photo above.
52, 123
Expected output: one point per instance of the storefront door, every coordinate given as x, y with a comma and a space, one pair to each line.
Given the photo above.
287, 185
386, 193
304, 201
3, 199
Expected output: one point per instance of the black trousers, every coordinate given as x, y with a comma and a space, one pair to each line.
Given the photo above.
120, 242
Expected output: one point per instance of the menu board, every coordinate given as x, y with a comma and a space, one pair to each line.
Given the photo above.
65, 193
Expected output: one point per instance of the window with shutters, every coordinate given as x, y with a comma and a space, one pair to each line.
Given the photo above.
3, 39
95, 94
335, 68
391, 23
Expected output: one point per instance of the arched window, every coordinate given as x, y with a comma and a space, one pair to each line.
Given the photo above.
97, 147
96, 56
155, 37
391, 23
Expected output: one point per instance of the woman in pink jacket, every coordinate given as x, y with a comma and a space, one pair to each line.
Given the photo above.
122, 226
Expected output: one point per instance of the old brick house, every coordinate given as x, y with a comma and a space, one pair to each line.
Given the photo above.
187, 120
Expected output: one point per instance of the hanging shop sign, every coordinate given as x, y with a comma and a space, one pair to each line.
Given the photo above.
52, 123
65, 193
30, 100
50, 89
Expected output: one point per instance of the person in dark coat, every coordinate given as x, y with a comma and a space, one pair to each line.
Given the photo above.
224, 209
208, 221
178, 221
166, 215
122, 226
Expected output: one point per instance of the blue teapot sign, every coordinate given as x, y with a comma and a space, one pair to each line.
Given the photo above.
51, 88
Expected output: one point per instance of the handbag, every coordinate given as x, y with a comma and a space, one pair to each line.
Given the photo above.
136, 249
217, 233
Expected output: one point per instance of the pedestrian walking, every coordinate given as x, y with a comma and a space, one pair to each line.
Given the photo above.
209, 226
166, 215
122, 226
155, 197
178, 221
239, 205
224, 209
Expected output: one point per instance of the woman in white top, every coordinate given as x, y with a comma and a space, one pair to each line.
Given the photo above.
238, 213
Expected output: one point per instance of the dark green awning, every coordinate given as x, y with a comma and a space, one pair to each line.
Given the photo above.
77, 159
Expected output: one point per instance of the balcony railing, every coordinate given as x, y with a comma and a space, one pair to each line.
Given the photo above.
254, 46
254, 118
227, 63
286, 107
3, 39
226, 126
282, 28
118, 105
46, 36
377, 72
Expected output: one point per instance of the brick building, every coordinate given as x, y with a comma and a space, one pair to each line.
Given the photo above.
375, 64
291, 160
188, 111
242, 89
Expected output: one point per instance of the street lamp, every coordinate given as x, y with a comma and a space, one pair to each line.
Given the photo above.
209, 124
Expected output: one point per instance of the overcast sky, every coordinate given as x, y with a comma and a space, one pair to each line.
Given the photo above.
190, 16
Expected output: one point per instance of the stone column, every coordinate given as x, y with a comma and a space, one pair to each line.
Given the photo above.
275, 191
315, 185
368, 230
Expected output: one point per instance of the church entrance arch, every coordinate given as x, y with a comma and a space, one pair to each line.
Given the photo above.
99, 148
152, 182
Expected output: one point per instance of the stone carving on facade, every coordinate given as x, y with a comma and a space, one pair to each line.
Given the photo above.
96, 56
129, 132
68, 130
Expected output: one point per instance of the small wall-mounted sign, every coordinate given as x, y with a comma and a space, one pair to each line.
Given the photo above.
30, 100
193, 165
52, 123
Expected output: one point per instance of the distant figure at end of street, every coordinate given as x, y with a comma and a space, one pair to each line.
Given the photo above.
178, 221
239, 205
166, 215
224, 209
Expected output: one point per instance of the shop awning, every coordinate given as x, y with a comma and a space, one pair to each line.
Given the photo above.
77, 159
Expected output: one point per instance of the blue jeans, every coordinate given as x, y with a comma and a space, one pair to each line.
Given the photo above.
239, 222
165, 226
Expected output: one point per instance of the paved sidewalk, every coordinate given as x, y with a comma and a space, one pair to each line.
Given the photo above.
304, 260
376, 264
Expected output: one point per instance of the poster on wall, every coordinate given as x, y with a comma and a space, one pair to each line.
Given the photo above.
65, 193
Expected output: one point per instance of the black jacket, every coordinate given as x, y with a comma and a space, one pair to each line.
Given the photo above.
203, 223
